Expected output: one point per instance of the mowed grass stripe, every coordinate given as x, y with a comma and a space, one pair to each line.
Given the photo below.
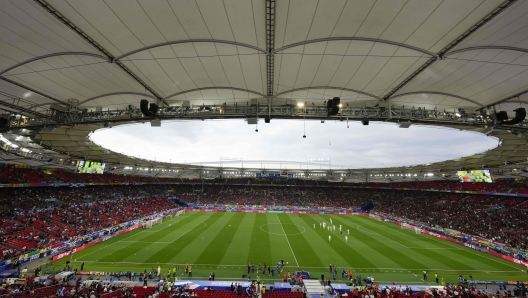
310, 249
164, 231
103, 251
204, 238
260, 243
279, 247
220, 242
399, 256
238, 252
163, 253
471, 257
451, 254
387, 267
438, 258
354, 257
141, 251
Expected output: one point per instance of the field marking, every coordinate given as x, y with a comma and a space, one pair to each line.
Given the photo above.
191, 229
470, 250
281, 234
408, 247
311, 267
436, 248
288, 240
107, 245
195, 229
374, 233
139, 241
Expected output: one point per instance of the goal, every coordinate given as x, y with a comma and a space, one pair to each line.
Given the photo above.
407, 226
150, 223
375, 216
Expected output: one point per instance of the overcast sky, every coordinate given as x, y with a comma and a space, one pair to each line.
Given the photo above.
375, 145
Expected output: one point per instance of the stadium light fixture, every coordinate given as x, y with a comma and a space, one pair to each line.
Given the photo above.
300, 104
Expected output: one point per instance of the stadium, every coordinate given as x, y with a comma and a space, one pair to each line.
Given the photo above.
263, 148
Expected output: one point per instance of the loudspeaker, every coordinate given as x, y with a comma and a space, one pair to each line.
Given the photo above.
146, 110
143, 105
520, 114
267, 120
365, 122
333, 106
153, 109
501, 116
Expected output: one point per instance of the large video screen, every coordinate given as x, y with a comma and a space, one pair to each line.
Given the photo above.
90, 167
475, 176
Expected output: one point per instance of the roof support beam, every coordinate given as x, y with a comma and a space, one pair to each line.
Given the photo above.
491, 47
213, 88
52, 55
22, 109
32, 90
454, 43
239, 44
328, 87
96, 45
115, 93
270, 45
438, 93
375, 40
516, 95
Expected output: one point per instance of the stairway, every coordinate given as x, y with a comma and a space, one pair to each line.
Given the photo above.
313, 287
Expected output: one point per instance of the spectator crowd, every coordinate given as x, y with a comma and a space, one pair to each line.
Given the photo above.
37, 217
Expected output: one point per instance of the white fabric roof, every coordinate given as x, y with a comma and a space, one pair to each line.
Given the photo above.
376, 45
212, 51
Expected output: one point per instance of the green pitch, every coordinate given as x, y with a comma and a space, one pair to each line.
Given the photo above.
224, 243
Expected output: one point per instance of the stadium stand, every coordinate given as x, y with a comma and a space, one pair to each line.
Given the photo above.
36, 217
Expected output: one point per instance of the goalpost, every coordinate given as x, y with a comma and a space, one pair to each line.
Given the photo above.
375, 216
417, 230
150, 223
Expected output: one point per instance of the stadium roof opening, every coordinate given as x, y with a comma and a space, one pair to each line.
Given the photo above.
333, 144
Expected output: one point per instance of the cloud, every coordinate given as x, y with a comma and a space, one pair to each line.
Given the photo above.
375, 145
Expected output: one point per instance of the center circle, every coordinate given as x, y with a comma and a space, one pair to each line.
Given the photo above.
282, 226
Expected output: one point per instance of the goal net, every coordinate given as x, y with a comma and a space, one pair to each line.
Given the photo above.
375, 216
407, 226
150, 223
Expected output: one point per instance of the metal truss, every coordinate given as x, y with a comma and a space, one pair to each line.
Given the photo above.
96, 45
208, 112
452, 45
33, 154
270, 45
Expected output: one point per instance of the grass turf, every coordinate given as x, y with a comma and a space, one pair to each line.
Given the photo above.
224, 243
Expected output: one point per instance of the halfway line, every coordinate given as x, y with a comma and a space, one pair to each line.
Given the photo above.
287, 241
